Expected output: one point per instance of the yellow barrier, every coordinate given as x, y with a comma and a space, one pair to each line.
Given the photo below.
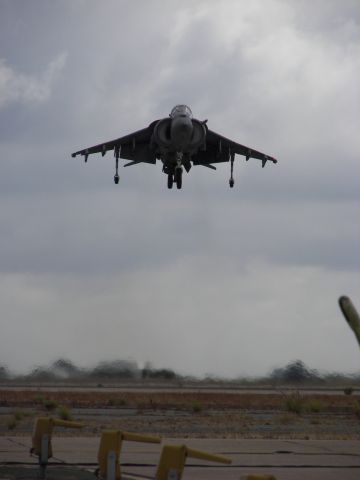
110, 448
41, 438
44, 426
173, 458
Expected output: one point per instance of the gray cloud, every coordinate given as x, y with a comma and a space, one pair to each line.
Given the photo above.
17, 87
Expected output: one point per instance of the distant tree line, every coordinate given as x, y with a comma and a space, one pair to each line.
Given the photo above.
294, 373
64, 369
297, 373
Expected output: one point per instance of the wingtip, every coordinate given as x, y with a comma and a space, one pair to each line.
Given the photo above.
73, 155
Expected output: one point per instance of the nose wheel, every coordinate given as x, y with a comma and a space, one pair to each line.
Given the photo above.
178, 177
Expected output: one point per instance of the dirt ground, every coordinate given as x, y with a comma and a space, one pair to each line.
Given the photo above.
187, 414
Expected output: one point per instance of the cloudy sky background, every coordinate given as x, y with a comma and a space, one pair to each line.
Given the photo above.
202, 280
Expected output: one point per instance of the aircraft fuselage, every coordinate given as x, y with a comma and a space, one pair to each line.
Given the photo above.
176, 139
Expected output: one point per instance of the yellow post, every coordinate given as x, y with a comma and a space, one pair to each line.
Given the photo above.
173, 458
111, 442
44, 426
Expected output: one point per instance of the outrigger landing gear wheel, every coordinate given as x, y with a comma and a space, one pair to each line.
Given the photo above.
170, 180
178, 177
231, 181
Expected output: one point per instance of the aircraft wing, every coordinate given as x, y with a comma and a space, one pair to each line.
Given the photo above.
219, 149
135, 146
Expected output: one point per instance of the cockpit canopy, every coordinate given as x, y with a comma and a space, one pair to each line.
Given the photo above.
181, 111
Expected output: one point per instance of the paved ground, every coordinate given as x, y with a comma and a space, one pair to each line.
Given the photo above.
286, 459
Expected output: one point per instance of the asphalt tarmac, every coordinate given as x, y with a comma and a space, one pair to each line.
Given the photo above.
76, 458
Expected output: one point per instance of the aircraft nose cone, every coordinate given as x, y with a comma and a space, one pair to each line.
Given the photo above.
181, 131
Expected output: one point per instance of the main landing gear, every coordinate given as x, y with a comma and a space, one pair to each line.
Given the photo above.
170, 180
231, 181
116, 176
176, 177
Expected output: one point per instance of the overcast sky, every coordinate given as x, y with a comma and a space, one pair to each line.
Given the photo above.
205, 279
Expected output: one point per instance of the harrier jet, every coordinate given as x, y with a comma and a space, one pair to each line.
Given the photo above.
179, 141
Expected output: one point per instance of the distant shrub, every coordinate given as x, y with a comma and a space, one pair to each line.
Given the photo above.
50, 404
11, 423
64, 413
19, 415
117, 402
294, 404
197, 406
314, 406
348, 390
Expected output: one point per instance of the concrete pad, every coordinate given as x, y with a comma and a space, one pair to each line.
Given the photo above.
286, 459
53, 473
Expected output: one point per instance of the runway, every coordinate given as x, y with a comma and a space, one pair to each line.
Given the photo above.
285, 459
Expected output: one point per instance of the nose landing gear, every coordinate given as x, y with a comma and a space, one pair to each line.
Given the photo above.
178, 177
174, 172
